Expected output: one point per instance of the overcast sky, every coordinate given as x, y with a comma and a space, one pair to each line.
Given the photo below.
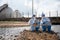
39, 6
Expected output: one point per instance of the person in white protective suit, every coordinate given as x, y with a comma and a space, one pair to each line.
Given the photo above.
34, 23
45, 23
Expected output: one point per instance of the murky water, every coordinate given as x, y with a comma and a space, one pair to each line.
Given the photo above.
9, 33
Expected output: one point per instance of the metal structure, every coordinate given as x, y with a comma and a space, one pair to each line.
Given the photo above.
32, 7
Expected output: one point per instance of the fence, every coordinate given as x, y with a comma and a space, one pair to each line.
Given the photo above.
48, 14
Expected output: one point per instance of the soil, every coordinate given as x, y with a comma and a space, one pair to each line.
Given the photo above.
28, 35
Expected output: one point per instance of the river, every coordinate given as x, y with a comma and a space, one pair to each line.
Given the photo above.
9, 33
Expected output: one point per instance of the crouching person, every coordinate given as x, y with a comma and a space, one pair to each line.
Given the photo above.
34, 23
45, 23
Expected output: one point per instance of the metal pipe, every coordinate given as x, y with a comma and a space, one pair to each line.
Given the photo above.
32, 7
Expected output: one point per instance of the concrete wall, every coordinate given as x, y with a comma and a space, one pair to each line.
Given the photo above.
6, 13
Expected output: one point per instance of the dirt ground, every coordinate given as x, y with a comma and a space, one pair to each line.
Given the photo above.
28, 35
13, 24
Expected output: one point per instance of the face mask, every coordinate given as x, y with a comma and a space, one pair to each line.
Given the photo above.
34, 18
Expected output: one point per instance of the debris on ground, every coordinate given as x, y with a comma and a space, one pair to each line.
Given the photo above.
28, 35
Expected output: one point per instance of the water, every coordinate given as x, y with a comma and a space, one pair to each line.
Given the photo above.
9, 33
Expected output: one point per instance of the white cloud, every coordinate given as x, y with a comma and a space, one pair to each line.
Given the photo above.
39, 5
3, 2
28, 4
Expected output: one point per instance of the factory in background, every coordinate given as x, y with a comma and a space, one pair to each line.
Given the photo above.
7, 12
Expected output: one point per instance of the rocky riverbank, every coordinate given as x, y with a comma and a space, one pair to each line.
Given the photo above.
28, 35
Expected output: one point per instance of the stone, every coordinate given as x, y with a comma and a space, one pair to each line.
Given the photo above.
1, 37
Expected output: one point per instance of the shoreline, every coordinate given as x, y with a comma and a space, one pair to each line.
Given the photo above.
15, 24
